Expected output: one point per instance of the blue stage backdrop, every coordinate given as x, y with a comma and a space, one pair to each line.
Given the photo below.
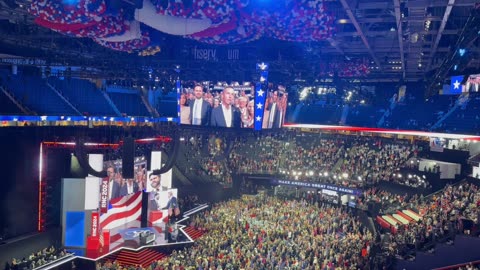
75, 229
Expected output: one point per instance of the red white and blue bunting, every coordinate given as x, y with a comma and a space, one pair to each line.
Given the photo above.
208, 21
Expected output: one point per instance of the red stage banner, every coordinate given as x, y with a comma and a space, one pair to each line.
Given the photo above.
95, 223
104, 195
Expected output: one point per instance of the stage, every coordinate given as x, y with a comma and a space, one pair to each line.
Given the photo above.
131, 236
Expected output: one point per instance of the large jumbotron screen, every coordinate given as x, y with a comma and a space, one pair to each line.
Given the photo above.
233, 106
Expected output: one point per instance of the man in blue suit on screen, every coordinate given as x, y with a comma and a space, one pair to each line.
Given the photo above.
114, 183
226, 115
172, 206
200, 109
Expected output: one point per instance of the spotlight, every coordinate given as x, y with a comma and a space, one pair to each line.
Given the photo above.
462, 52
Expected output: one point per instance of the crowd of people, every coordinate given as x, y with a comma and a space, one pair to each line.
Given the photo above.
348, 161
454, 209
204, 157
272, 233
36, 259
385, 199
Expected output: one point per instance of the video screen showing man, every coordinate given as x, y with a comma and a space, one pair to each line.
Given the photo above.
200, 109
114, 183
275, 109
226, 115
172, 206
117, 185
141, 177
164, 202
129, 187
154, 183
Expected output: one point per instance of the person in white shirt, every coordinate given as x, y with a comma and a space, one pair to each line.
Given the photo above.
129, 187
199, 108
114, 185
226, 115
275, 112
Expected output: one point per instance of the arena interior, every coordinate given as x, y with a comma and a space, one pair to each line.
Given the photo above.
240, 134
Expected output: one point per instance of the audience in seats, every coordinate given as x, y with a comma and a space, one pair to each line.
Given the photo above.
444, 214
272, 233
37, 259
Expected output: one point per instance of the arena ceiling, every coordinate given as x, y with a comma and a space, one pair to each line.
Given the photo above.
398, 40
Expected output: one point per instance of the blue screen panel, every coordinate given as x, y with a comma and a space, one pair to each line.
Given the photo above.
75, 229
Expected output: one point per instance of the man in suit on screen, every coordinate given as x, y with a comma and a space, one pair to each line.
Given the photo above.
200, 109
275, 112
114, 183
172, 206
155, 181
226, 115
129, 187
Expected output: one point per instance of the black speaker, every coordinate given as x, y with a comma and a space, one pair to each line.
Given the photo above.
128, 158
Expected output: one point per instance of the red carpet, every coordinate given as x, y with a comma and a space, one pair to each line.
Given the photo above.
193, 233
143, 257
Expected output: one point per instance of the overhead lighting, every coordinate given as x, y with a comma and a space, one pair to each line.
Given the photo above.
342, 21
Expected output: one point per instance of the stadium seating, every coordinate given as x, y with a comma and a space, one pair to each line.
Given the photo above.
129, 103
320, 114
465, 119
7, 106
363, 116
84, 95
417, 114
34, 93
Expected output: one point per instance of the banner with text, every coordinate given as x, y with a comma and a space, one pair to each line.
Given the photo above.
104, 196
95, 223
316, 185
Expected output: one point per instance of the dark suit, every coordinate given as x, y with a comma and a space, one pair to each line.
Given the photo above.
205, 113
116, 190
152, 204
218, 119
124, 189
277, 119
173, 209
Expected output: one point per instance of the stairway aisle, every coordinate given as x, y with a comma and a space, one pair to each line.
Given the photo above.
193, 233
143, 257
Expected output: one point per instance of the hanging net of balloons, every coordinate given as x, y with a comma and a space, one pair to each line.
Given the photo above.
208, 21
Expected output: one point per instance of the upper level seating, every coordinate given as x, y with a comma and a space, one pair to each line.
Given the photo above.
7, 107
84, 96
129, 104
33, 92
167, 108
320, 114
363, 115
344, 160
466, 119
418, 114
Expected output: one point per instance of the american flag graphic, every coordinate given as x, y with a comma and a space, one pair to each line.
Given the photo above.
124, 210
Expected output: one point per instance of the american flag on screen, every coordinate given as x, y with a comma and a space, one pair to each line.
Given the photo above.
124, 209
260, 95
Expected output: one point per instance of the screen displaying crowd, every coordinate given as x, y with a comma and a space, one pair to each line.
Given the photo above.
232, 107
119, 186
